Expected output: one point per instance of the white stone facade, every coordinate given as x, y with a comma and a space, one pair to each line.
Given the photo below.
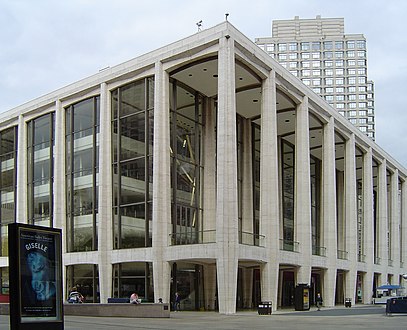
302, 228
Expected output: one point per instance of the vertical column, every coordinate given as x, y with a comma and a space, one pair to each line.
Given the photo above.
302, 208
59, 198
395, 220
269, 191
210, 286
21, 202
329, 211
382, 219
351, 219
209, 197
247, 183
209, 180
227, 198
368, 223
59, 172
105, 244
161, 184
403, 232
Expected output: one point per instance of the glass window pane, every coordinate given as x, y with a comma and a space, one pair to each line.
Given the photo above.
132, 98
132, 136
83, 114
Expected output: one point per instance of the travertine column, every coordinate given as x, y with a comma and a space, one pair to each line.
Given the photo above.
161, 184
59, 173
60, 182
21, 202
368, 223
395, 220
351, 217
105, 243
209, 178
209, 197
226, 183
329, 211
210, 286
269, 192
247, 183
302, 209
403, 232
382, 219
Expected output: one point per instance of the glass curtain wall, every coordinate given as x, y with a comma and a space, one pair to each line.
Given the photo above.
82, 167
187, 280
132, 277
390, 213
8, 163
361, 232
239, 141
315, 169
132, 144
256, 135
400, 217
376, 228
186, 169
288, 171
85, 278
40, 170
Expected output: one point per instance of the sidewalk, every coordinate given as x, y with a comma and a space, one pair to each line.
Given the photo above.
370, 317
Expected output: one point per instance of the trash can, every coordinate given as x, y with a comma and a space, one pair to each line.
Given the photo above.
348, 302
265, 308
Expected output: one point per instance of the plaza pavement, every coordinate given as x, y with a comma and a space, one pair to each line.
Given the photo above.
358, 317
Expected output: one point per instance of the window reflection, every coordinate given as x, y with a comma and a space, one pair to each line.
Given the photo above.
132, 127
8, 159
82, 128
40, 169
287, 168
186, 132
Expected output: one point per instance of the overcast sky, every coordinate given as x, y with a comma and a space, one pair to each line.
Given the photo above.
47, 44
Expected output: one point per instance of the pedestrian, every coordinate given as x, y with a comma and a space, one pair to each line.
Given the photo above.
177, 302
75, 297
134, 298
318, 301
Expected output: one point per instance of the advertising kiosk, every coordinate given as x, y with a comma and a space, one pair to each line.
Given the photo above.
302, 297
35, 260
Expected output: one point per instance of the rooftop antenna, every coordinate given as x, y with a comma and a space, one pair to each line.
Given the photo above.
199, 25
226, 16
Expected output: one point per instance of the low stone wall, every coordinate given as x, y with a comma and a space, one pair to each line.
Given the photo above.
111, 310
119, 310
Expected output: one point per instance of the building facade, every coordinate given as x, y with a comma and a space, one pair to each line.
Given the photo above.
333, 64
204, 168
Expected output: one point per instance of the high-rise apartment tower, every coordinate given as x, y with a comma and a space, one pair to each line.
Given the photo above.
332, 63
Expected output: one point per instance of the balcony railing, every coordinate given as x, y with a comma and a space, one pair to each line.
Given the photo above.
247, 238
361, 258
342, 254
193, 237
319, 251
287, 245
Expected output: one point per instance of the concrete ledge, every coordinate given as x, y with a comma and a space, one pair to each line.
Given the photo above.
119, 310
110, 310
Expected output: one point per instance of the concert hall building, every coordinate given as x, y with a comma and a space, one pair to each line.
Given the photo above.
204, 168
